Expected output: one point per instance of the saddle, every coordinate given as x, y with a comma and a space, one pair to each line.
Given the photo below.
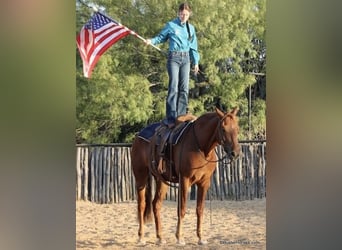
162, 143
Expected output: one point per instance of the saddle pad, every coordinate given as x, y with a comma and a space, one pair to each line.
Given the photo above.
177, 134
147, 132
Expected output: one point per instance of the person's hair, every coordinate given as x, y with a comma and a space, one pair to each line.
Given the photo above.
184, 6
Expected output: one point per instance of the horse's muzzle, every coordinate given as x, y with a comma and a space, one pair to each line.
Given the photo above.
233, 155
230, 152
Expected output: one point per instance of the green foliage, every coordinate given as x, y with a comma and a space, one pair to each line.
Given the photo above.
109, 100
128, 87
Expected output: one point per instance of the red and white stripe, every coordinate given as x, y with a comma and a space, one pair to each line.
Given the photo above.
93, 43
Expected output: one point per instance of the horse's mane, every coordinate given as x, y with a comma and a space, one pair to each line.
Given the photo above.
207, 116
210, 115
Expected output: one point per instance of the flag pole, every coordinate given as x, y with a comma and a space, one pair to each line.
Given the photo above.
132, 32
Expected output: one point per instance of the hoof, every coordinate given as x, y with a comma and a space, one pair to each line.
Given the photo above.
202, 242
141, 242
161, 242
180, 242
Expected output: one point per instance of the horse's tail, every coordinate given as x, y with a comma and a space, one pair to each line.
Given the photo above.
148, 200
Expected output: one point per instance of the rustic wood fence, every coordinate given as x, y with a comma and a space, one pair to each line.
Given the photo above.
104, 175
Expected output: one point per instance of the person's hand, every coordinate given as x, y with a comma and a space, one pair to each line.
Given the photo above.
148, 42
196, 69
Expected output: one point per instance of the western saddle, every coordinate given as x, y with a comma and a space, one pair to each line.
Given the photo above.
161, 145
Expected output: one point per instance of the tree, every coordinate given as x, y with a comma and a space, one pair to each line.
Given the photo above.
227, 37
129, 84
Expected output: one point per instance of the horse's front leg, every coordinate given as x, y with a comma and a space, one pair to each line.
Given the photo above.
182, 198
157, 204
202, 189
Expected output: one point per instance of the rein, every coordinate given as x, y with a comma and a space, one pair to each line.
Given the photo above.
220, 141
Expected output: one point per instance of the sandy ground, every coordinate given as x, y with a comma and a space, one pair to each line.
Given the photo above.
229, 225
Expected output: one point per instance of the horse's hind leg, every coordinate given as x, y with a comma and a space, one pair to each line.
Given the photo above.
141, 208
143, 189
161, 189
143, 186
139, 162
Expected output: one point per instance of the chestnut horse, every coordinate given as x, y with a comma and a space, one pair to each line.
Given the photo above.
194, 160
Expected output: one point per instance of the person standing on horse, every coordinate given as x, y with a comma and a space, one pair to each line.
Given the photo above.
182, 52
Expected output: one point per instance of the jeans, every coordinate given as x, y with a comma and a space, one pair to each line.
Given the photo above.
178, 68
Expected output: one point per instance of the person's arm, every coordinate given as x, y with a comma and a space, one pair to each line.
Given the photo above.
161, 37
194, 55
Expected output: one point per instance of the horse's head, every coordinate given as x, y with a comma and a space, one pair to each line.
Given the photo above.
228, 130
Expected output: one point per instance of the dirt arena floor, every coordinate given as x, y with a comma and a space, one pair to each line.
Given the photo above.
229, 225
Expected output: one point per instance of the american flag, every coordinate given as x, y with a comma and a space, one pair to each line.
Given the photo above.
96, 36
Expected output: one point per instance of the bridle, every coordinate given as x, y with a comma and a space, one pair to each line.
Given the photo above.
221, 140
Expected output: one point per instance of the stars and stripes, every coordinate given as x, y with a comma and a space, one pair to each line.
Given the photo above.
96, 36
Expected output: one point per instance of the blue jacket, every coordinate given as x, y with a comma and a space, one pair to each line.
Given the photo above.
178, 37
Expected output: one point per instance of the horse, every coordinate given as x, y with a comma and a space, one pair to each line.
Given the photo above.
194, 160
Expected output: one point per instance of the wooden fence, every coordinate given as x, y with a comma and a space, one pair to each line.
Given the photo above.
104, 175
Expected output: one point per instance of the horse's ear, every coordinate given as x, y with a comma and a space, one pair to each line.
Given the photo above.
219, 112
234, 111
